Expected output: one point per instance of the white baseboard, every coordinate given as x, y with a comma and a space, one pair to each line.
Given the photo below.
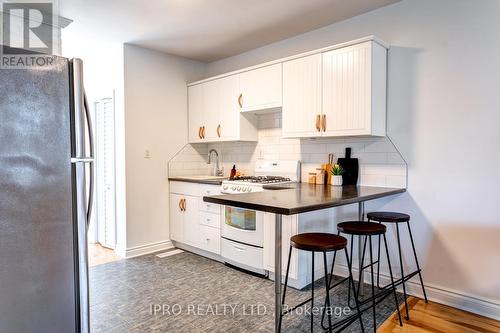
147, 249
453, 298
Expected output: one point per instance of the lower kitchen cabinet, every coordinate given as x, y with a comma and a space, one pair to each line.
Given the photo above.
209, 239
184, 219
192, 221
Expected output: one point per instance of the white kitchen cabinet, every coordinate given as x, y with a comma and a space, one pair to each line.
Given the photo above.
261, 88
209, 239
290, 228
354, 90
184, 219
196, 115
193, 222
302, 97
176, 218
214, 112
228, 123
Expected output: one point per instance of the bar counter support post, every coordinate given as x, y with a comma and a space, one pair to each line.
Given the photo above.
277, 270
361, 217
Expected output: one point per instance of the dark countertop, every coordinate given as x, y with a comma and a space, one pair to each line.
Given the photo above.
209, 181
298, 198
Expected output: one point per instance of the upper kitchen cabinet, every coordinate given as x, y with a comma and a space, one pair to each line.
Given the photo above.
338, 92
354, 90
302, 97
260, 89
214, 112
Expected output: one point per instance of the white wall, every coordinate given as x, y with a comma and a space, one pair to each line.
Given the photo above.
443, 114
155, 120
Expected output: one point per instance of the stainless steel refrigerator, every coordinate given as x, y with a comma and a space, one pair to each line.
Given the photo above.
45, 169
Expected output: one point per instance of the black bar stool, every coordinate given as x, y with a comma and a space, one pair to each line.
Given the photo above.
319, 242
369, 229
396, 218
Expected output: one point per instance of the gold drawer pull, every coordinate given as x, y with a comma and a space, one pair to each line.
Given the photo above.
318, 120
218, 130
240, 100
324, 123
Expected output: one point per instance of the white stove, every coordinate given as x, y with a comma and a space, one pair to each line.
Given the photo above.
242, 229
266, 172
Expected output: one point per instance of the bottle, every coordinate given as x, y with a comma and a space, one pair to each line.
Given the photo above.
233, 172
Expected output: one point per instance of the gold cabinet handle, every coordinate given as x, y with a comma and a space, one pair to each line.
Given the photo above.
218, 130
324, 123
180, 205
199, 133
203, 132
318, 120
184, 204
240, 100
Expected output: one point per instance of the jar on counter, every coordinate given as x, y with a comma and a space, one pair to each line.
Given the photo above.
312, 178
320, 176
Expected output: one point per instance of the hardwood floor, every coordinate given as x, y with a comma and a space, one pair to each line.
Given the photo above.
100, 255
434, 317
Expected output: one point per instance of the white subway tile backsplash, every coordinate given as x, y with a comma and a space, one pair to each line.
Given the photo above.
380, 162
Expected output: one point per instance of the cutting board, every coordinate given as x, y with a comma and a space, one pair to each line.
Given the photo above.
351, 168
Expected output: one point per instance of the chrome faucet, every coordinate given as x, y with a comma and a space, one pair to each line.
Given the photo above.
218, 170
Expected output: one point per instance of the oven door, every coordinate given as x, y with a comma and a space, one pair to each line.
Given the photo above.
243, 225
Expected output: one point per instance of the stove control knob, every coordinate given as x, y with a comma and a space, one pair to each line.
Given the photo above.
239, 188
233, 188
225, 187
249, 189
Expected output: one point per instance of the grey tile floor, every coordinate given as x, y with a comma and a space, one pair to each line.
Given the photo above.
189, 293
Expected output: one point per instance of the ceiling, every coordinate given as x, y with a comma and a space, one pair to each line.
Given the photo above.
205, 30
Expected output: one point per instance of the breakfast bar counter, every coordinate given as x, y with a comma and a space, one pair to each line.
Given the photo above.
296, 198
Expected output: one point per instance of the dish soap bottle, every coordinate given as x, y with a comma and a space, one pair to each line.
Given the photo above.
233, 172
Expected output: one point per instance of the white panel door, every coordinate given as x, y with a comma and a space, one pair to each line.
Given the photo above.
347, 90
105, 166
196, 112
176, 218
261, 88
229, 112
302, 96
190, 221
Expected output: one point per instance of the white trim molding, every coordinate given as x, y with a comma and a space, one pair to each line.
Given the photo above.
457, 299
147, 249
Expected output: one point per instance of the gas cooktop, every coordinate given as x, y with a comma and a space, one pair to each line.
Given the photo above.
261, 179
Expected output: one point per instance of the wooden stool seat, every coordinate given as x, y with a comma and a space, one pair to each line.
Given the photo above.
388, 217
361, 228
318, 242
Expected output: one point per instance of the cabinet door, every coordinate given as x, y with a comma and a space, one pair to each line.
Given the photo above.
211, 102
195, 112
347, 90
176, 218
302, 96
228, 118
290, 228
261, 88
190, 221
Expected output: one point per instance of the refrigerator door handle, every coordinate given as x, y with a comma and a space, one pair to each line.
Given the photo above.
79, 161
90, 160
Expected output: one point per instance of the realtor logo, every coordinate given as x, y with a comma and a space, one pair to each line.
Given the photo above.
27, 33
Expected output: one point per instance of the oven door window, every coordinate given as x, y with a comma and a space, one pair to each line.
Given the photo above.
240, 218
